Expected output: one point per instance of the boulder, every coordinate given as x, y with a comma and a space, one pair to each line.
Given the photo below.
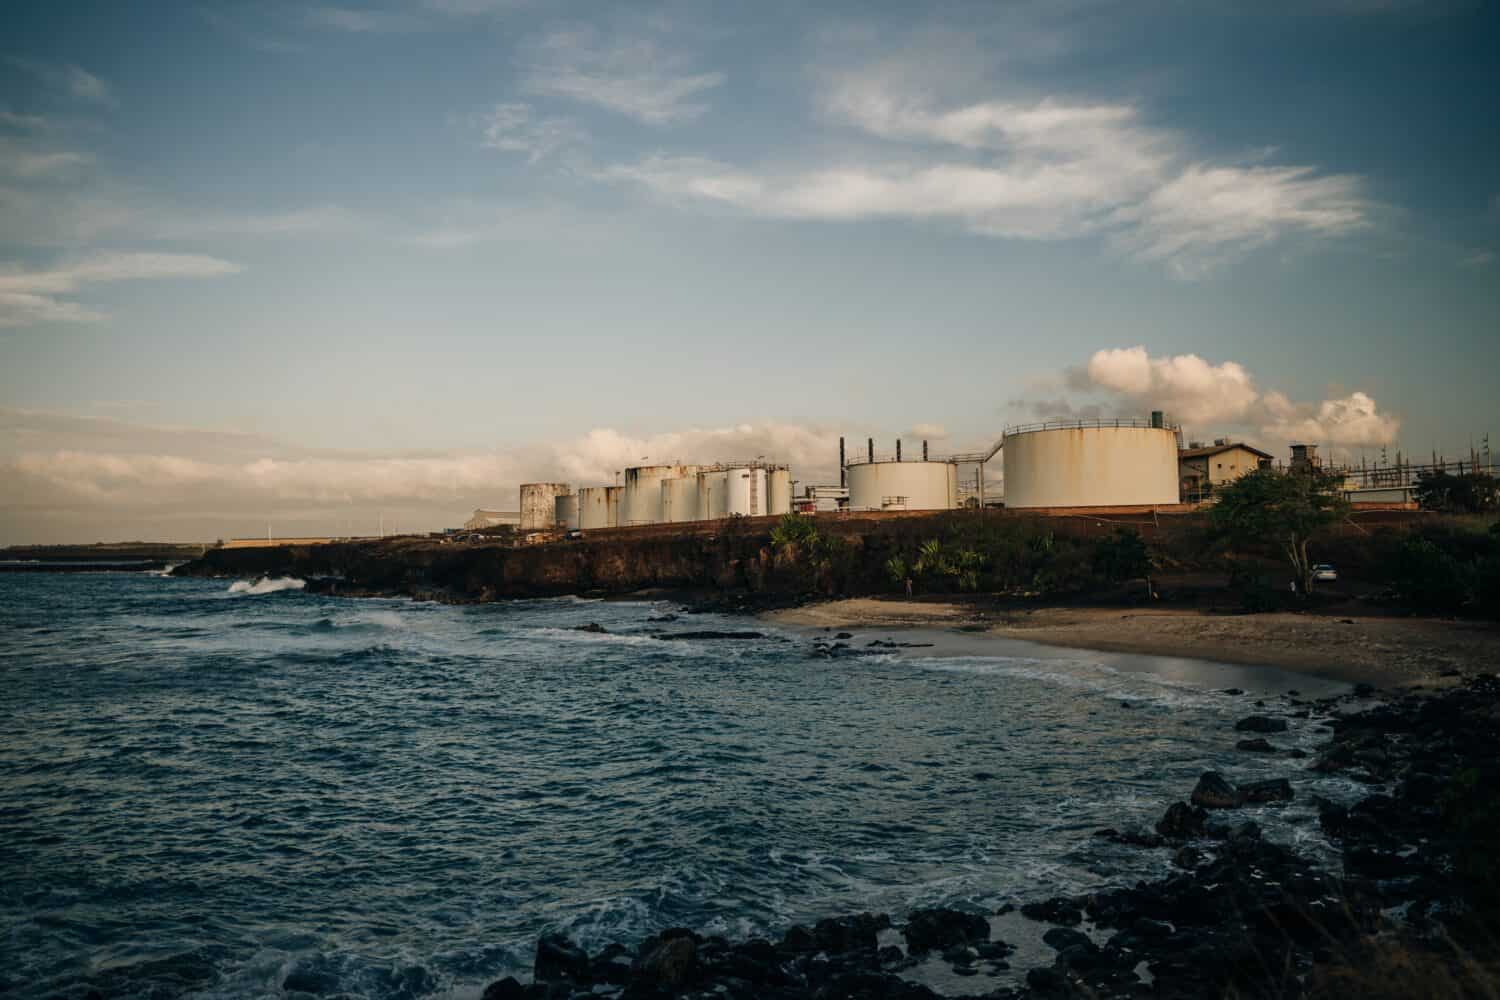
937, 929
1181, 822
1213, 792
593, 627
1255, 746
1058, 910
671, 961
509, 988
559, 958
1260, 724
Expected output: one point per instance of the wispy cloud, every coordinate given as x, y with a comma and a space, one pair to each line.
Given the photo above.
1043, 169
73, 80
31, 297
632, 75
513, 128
362, 20
1479, 258
26, 160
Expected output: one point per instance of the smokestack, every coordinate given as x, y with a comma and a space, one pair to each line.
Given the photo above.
870, 447
842, 463
898, 449
924, 451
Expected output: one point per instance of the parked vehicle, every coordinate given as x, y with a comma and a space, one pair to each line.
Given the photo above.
1324, 572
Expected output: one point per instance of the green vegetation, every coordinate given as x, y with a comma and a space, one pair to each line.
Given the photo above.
1446, 569
1123, 556
1469, 493
1284, 510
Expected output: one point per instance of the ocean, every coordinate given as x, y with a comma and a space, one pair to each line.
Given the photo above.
206, 786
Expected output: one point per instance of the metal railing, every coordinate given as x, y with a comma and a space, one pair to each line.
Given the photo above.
1055, 425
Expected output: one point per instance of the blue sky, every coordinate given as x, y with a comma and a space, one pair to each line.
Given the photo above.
303, 261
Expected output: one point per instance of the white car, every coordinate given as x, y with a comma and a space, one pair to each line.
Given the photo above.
1324, 572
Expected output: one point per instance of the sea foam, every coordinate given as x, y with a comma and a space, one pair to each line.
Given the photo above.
266, 585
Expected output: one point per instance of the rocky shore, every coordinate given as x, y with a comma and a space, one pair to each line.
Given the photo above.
1411, 913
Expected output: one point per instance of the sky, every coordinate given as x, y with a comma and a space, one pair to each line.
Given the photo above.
319, 266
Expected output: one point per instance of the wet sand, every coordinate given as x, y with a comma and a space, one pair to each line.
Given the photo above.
1385, 652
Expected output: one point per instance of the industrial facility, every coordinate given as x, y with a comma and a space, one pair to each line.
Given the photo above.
1130, 463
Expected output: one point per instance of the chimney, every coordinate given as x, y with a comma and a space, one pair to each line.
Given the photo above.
898, 449
924, 451
870, 448
842, 474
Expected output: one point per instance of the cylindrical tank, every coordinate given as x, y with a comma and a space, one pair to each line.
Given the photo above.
779, 491
746, 494
615, 496
641, 503
567, 511
595, 508
679, 500
1092, 465
903, 486
713, 494
539, 504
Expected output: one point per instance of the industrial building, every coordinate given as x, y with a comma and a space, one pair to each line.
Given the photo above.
1203, 468
661, 494
484, 518
539, 504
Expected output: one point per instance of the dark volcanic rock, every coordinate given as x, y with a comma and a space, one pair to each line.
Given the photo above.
1213, 792
559, 958
594, 627
671, 959
509, 988
1182, 822
927, 930
844, 934
1261, 724
1255, 746
1058, 910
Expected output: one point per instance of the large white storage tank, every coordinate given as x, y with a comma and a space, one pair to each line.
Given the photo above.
641, 503
598, 507
539, 504
1126, 463
746, 494
679, 500
713, 494
567, 511
903, 486
779, 491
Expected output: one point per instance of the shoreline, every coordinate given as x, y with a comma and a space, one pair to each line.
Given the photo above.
1381, 651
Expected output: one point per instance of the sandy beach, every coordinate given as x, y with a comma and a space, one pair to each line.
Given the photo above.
1385, 652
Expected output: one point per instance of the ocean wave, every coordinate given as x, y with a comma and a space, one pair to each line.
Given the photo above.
265, 585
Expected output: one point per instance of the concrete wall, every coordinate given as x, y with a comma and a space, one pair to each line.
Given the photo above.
1091, 467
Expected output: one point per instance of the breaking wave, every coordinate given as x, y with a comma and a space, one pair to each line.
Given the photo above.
266, 585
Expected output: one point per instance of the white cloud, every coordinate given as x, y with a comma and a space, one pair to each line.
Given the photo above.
1042, 169
1204, 396
930, 432
69, 475
29, 297
28, 161
512, 128
633, 76
361, 20
1207, 213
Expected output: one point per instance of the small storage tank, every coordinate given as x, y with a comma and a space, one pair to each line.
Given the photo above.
567, 512
746, 493
779, 491
641, 503
539, 504
713, 494
1125, 463
679, 500
598, 507
903, 486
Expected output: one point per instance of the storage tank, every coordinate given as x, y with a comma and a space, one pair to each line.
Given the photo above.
567, 512
641, 503
539, 504
1123, 463
713, 494
779, 491
679, 500
903, 486
746, 493
598, 507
